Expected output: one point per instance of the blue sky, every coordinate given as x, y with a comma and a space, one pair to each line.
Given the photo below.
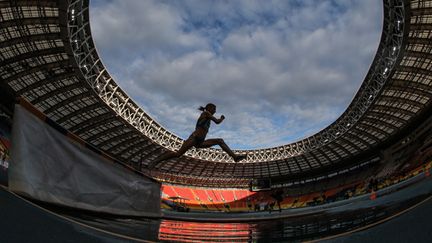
279, 70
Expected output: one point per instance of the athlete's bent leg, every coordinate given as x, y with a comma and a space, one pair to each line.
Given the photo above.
219, 141
170, 154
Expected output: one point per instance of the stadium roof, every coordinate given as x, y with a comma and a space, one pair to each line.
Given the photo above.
48, 56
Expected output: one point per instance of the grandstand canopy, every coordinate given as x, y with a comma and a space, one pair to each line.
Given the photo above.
48, 56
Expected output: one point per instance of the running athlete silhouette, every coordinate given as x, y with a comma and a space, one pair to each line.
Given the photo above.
197, 138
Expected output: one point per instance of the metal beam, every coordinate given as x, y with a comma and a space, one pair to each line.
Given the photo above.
64, 89
65, 64
67, 101
28, 3
30, 39
29, 21
57, 78
130, 136
80, 112
109, 131
33, 54
106, 118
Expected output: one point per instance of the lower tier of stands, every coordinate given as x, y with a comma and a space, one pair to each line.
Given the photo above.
241, 200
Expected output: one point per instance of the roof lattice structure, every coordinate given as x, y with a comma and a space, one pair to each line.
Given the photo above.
48, 56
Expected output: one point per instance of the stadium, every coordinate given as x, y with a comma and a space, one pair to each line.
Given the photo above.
75, 149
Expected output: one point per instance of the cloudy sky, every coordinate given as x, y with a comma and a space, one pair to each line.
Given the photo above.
279, 70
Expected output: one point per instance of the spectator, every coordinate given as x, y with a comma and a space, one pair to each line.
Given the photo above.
227, 207
249, 204
263, 206
278, 196
271, 206
257, 207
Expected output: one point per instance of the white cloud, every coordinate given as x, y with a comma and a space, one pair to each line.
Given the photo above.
279, 71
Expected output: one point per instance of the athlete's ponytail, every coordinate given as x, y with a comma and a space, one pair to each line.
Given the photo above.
207, 107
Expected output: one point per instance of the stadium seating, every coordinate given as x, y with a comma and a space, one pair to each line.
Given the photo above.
239, 200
